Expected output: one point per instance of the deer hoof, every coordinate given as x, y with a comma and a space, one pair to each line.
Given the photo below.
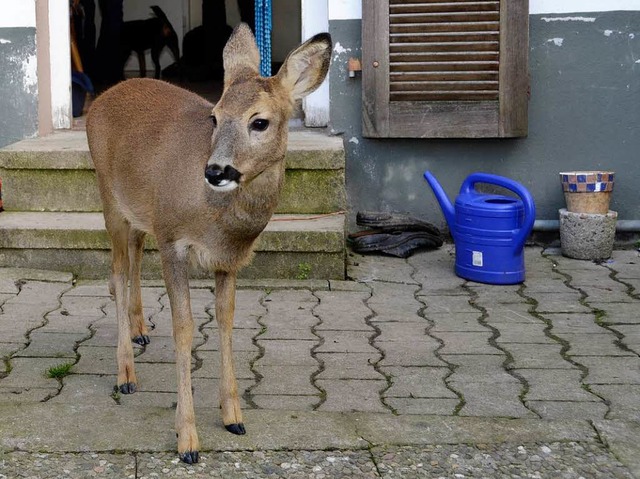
189, 457
236, 429
141, 340
127, 388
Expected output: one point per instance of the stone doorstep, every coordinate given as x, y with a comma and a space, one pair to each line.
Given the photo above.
55, 173
87, 231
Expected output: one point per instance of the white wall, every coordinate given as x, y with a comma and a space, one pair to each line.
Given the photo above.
18, 13
352, 9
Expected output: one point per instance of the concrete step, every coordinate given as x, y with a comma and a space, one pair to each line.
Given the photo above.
292, 246
55, 173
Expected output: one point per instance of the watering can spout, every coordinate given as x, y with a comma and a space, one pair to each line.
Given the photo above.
443, 200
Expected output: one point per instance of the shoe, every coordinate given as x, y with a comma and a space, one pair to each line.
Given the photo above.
394, 222
399, 243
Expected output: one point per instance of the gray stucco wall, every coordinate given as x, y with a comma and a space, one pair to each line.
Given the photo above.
18, 84
583, 114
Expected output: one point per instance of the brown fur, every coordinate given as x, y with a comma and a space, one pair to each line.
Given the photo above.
150, 143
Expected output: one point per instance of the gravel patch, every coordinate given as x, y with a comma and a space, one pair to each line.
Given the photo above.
29, 465
536, 461
259, 464
503, 461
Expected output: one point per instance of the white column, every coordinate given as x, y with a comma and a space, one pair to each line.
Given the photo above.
60, 49
315, 19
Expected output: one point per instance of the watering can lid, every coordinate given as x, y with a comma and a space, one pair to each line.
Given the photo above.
489, 205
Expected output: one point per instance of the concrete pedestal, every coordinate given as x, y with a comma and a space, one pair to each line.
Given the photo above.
587, 236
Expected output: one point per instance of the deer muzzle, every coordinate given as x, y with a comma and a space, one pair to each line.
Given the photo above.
221, 178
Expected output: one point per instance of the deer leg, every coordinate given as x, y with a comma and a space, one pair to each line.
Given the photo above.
225, 307
139, 330
119, 232
175, 269
155, 56
142, 63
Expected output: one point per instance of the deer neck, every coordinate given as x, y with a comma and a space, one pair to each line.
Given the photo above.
254, 203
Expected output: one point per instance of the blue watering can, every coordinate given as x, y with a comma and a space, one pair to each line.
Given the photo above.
489, 231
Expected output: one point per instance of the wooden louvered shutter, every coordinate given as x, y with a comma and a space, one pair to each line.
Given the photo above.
445, 69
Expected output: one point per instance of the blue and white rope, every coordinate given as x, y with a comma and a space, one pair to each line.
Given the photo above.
263, 35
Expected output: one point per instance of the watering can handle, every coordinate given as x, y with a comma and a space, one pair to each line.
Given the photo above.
527, 200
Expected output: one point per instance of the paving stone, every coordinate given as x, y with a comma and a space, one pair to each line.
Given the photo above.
287, 353
466, 343
159, 350
338, 285
32, 373
484, 399
510, 313
72, 324
593, 345
8, 286
435, 406
339, 310
564, 323
448, 304
41, 294
391, 301
156, 377
599, 295
346, 342
559, 410
378, 268
22, 395
612, 370
456, 322
537, 356
17, 335
83, 305
242, 341
423, 355
288, 310
287, 334
52, 345
555, 385
286, 403
617, 313
210, 368
96, 360
87, 389
285, 380
623, 400
349, 365
631, 334
99, 288
435, 265
477, 364
552, 283
626, 263
523, 333
352, 395
7, 349
488, 295
559, 303
412, 382
403, 332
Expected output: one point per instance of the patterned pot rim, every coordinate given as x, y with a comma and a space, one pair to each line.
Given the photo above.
587, 181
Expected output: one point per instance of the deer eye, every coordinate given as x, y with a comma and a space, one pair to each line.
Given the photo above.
259, 124
214, 120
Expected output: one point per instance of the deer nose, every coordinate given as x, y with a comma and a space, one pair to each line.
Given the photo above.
221, 177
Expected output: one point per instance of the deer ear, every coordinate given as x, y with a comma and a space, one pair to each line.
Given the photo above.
240, 55
306, 67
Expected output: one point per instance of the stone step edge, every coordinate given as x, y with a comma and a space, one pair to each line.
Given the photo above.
53, 230
68, 150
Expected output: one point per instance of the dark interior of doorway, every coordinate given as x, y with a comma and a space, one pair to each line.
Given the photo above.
104, 53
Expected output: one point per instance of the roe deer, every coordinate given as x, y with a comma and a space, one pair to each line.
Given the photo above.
202, 179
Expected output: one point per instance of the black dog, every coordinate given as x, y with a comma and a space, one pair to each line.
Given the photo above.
154, 34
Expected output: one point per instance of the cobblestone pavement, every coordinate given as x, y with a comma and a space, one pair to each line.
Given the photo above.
404, 340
